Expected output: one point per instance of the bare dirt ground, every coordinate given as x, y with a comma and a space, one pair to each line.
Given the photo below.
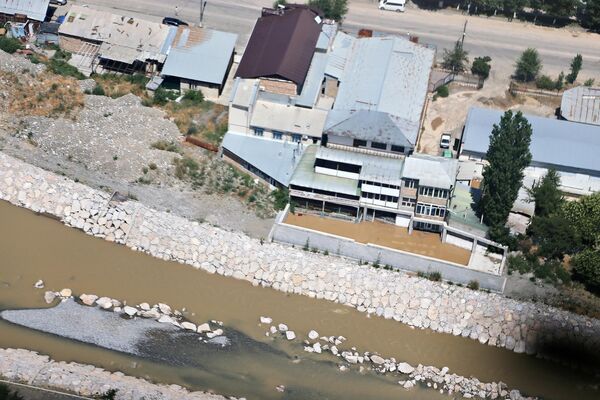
120, 145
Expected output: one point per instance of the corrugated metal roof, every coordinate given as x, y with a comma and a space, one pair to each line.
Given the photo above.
384, 74
313, 81
277, 159
565, 145
201, 55
432, 171
373, 168
122, 38
281, 46
34, 9
581, 104
305, 176
286, 118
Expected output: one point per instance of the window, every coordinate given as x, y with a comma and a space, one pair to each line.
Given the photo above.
408, 202
359, 143
397, 149
296, 138
430, 209
377, 145
410, 183
277, 135
258, 131
433, 192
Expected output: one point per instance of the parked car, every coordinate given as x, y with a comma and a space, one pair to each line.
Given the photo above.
445, 141
58, 2
173, 21
392, 5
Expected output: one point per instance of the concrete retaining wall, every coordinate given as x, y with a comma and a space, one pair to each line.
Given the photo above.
337, 245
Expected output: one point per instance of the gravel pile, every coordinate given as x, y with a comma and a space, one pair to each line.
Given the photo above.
16, 64
113, 136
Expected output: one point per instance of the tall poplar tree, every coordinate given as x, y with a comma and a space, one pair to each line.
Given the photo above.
508, 155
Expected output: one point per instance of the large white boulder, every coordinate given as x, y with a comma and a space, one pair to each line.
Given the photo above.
189, 326
104, 302
282, 327
165, 308
39, 284
290, 335
131, 311
313, 335
205, 327
375, 359
265, 320
49, 296
88, 299
66, 293
405, 368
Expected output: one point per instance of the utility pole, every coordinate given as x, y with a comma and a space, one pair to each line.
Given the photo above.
202, 7
462, 40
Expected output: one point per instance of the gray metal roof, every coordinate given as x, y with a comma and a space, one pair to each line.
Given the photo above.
34, 9
289, 119
201, 55
432, 171
373, 168
274, 158
305, 176
372, 125
384, 74
581, 104
313, 81
564, 145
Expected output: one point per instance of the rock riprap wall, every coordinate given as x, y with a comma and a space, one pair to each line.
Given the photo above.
489, 318
31, 368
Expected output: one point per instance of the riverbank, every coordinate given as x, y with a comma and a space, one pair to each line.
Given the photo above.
489, 318
29, 367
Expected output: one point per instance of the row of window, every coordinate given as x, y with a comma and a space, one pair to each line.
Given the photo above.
276, 134
381, 197
378, 184
430, 209
433, 192
410, 183
377, 145
408, 202
337, 166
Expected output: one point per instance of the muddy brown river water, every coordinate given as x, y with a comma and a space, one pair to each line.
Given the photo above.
34, 247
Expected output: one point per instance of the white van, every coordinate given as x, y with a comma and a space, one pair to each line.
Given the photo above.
392, 5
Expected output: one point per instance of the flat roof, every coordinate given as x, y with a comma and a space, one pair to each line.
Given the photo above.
312, 84
564, 145
277, 159
33, 9
190, 52
122, 38
244, 92
581, 104
384, 74
305, 176
287, 118
433, 171
281, 45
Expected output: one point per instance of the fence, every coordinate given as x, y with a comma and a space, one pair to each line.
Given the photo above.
397, 259
515, 89
458, 78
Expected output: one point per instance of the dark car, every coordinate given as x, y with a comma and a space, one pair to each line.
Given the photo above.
173, 21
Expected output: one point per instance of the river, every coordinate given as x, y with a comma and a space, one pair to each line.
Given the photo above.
34, 247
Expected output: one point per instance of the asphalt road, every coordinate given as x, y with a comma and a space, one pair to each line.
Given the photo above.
501, 40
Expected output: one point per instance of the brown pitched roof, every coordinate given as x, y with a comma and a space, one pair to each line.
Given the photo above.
281, 45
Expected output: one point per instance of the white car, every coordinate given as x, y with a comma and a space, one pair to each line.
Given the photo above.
445, 141
392, 5
58, 2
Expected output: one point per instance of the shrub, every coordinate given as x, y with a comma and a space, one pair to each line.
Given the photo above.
519, 263
110, 394
434, 276
185, 166
194, 97
280, 198
544, 82
98, 90
481, 67
587, 268
152, 166
589, 82
162, 96
9, 45
306, 245
473, 285
166, 146
192, 129
442, 91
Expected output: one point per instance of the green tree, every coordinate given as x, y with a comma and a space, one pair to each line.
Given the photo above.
590, 17
576, 65
589, 82
507, 156
560, 81
332, 9
456, 58
280, 198
587, 268
481, 66
9, 45
584, 215
528, 66
554, 235
560, 8
547, 195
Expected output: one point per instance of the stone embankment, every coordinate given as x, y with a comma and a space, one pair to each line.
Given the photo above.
489, 318
86, 380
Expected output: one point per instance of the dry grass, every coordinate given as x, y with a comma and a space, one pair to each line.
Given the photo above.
207, 121
46, 95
